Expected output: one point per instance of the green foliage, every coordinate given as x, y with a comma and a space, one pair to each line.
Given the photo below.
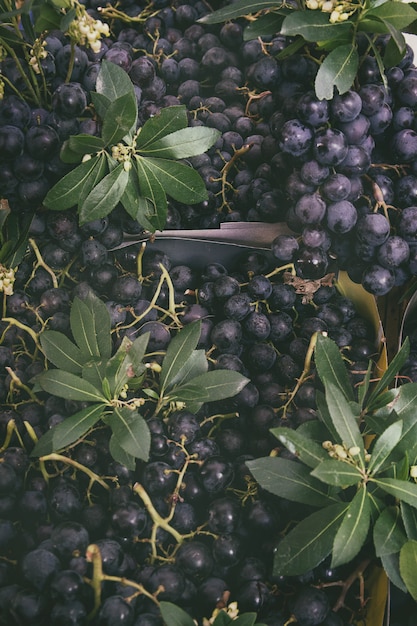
175, 616
334, 33
360, 483
137, 168
113, 384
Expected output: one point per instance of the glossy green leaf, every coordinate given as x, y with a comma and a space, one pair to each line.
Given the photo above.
153, 190
69, 386
394, 50
174, 615
196, 364
290, 480
62, 352
384, 445
314, 26
120, 117
409, 518
390, 373
112, 81
75, 426
363, 388
400, 489
181, 182
102, 323
85, 144
131, 432
98, 173
47, 20
398, 14
388, 534
101, 103
353, 530
330, 365
105, 195
223, 619
247, 619
84, 329
216, 384
94, 372
237, 9
308, 451
324, 415
309, 543
391, 565
404, 407
314, 430
183, 143
120, 455
187, 393
137, 352
264, 25
169, 120
338, 70
337, 473
408, 565
135, 205
344, 420
44, 445
65, 193
67, 155
179, 350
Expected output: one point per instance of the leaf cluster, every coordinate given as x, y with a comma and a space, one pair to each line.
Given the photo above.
113, 385
338, 39
136, 167
353, 468
13, 237
175, 616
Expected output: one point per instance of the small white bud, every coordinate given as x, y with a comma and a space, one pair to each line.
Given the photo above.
413, 471
354, 450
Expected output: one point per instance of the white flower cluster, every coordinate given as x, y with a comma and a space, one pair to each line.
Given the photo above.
7, 279
86, 30
37, 53
231, 610
123, 153
339, 11
341, 453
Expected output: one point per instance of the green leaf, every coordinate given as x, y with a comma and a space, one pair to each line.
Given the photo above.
113, 82
69, 386
62, 352
102, 324
390, 373
134, 204
398, 14
388, 534
175, 616
183, 143
391, 565
169, 120
119, 119
400, 489
214, 385
404, 406
83, 327
180, 181
309, 543
394, 50
330, 365
337, 473
339, 69
44, 445
324, 414
290, 480
223, 619
120, 455
101, 103
364, 386
247, 619
384, 445
408, 566
105, 195
343, 418
264, 25
137, 352
94, 372
353, 530
85, 144
74, 427
237, 9
131, 432
196, 364
308, 451
65, 193
409, 517
179, 350
314, 26
152, 189
98, 173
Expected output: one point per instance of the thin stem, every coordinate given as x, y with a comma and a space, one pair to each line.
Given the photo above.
41, 263
82, 468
